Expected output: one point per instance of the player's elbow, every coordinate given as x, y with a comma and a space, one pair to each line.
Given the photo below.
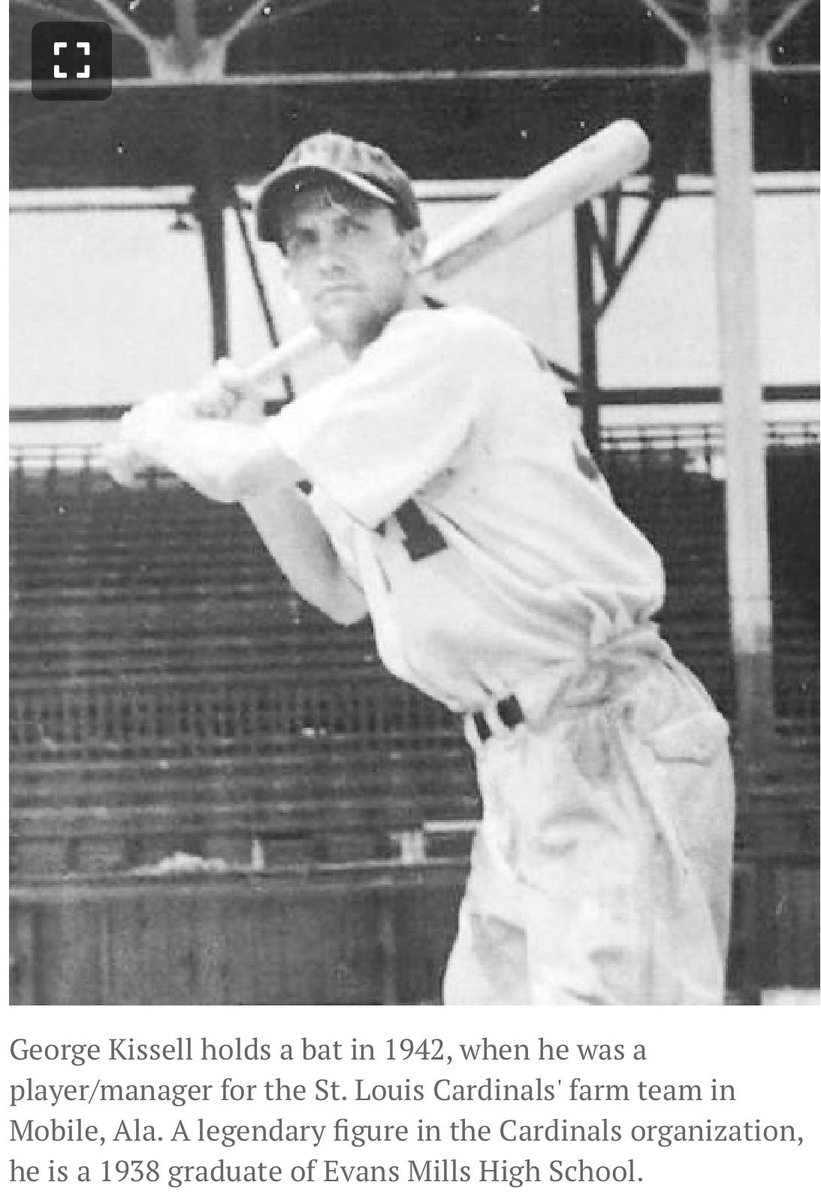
342, 603
350, 611
333, 594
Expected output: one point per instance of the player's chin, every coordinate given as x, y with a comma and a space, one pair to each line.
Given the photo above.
346, 322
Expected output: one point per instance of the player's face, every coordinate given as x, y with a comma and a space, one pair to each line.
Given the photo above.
350, 262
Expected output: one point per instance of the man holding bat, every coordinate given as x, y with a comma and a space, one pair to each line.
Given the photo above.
440, 484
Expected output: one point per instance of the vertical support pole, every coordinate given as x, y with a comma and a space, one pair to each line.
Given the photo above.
210, 213
746, 486
212, 225
187, 31
211, 193
588, 345
211, 196
259, 286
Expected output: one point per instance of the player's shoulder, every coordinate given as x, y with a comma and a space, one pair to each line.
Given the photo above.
459, 328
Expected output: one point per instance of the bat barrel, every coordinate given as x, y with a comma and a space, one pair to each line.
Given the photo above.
587, 170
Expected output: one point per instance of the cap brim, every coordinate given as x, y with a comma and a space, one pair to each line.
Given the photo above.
281, 183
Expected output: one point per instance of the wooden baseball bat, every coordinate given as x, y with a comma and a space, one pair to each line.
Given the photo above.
596, 164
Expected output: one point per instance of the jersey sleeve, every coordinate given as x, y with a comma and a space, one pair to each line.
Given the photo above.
377, 433
340, 530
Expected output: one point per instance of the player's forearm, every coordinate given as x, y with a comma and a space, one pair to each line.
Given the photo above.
296, 539
231, 462
224, 460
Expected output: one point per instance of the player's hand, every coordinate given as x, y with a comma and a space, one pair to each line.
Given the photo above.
122, 464
129, 453
226, 394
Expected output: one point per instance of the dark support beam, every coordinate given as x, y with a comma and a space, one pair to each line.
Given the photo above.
208, 206
586, 235
603, 246
259, 287
211, 197
187, 31
610, 243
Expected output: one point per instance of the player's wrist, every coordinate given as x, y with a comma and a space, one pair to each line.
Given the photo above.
225, 394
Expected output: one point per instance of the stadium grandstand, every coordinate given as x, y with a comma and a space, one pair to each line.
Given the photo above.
192, 746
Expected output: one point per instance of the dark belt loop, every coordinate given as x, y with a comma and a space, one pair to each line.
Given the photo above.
510, 712
482, 727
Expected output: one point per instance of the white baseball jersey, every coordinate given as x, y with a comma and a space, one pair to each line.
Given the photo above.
454, 484
452, 479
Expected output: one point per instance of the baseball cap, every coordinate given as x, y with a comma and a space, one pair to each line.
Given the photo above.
365, 168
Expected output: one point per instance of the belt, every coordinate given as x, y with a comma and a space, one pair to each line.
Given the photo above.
607, 671
509, 712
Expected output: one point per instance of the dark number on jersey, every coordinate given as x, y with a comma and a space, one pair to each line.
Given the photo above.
419, 537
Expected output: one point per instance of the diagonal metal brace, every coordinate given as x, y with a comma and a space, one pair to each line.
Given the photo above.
603, 243
614, 268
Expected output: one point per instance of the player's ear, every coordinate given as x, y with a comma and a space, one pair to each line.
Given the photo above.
291, 289
288, 275
416, 242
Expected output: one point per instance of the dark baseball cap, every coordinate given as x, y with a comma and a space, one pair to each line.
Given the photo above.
366, 169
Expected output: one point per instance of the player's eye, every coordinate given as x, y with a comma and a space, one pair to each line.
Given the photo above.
351, 227
298, 243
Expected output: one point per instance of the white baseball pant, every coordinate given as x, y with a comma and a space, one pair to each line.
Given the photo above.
601, 871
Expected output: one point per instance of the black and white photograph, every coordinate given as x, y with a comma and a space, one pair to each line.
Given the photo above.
413, 536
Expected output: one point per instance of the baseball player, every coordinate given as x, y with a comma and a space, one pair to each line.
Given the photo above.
440, 484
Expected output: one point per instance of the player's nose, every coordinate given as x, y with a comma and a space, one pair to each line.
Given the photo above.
329, 253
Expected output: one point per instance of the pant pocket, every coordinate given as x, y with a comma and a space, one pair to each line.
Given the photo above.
696, 738
697, 791
696, 797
